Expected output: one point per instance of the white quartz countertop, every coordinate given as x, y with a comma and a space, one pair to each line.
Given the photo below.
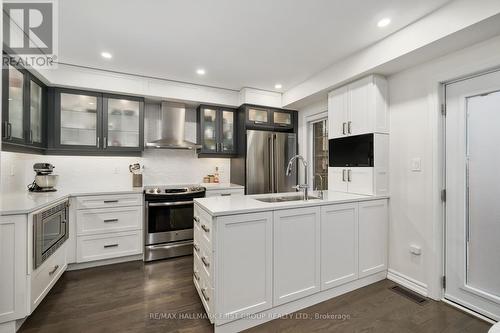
25, 202
231, 205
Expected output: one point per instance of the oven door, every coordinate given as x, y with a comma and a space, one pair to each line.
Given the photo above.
49, 232
168, 221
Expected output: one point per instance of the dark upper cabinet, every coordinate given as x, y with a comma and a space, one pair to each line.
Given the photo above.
269, 118
96, 123
216, 130
23, 109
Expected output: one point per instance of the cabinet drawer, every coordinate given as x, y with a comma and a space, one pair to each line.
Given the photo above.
224, 193
94, 221
103, 201
205, 265
106, 246
45, 276
206, 292
203, 226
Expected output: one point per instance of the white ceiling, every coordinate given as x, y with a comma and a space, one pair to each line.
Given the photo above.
251, 43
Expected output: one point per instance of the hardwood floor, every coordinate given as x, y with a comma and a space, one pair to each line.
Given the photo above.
137, 297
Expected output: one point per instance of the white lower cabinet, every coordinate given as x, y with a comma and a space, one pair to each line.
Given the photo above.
339, 244
13, 260
296, 253
373, 237
244, 258
108, 226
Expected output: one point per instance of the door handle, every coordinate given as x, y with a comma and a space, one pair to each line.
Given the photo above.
110, 245
110, 220
205, 228
98, 143
343, 175
110, 201
205, 262
54, 270
31, 136
343, 128
349, 175
105, 142
9, 130
196, 276
205, 296
349, 125
196, 219
196, 247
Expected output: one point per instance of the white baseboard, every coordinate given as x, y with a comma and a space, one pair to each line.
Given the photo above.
407, 282
83, 265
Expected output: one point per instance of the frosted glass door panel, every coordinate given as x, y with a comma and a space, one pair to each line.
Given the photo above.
210, 129
78, 120
227, 131
123, 123
16, 84
35, 112
483, 220
258, 116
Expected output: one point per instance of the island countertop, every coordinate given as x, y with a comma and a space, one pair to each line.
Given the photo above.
239, 204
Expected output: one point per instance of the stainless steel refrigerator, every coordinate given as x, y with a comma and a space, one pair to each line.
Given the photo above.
267, 156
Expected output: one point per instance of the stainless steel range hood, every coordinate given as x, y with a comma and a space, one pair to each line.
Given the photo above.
173, 119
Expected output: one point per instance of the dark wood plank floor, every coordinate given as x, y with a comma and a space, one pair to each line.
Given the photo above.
137, 297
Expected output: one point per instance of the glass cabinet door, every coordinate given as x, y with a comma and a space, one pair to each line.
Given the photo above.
15, 121
79, 119
227, 134
320, 154
282, 118
36, 107
122, 123
209, 130
258, 116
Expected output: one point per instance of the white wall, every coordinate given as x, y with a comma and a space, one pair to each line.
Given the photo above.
160, 167
415, 122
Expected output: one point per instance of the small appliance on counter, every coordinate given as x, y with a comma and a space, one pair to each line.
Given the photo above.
136, 171
44, 179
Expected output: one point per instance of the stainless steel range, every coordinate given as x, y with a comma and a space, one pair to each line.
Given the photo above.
169, 221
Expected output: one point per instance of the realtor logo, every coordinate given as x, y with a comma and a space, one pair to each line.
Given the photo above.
29, 31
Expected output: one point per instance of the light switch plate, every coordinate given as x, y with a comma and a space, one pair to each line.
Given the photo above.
416, 164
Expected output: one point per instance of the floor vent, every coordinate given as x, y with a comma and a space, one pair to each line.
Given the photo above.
410, 295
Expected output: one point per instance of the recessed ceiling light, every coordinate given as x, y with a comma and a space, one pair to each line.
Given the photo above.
278, 86
200, 71
384, 22
106, 55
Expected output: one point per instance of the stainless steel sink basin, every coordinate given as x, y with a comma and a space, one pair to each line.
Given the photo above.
285, 198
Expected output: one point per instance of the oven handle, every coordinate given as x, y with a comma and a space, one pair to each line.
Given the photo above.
163, 204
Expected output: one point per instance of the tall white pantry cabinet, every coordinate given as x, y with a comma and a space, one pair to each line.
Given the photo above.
354, 109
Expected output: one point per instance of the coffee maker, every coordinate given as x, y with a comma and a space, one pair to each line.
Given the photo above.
44, 179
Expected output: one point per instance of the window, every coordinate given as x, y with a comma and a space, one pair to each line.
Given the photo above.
318, 134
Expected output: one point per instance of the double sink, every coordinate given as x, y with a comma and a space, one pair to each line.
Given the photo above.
285, 198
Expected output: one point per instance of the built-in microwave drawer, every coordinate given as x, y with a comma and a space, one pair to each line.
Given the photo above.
107, 246
103, 220
46, 275
106, 201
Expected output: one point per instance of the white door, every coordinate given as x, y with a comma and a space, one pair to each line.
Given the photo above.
337, 113
473, 192
373, 230
339, 244
296, 254
360, 106
337, 179
360, 180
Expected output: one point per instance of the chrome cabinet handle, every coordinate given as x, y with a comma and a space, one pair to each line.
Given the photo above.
105, 142
196, 219
205, 228
9, 130
349, 175
205, 296
349, 123
110, 201
205, 262
110, 220
98, 143
196, 276
222, 147
225, 194
343, 175
54, 270
31, 136
110, 245
343, 128
196, 247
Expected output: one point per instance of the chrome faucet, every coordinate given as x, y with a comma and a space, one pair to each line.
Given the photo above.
304, 187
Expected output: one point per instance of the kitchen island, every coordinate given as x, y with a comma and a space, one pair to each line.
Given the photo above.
255, 261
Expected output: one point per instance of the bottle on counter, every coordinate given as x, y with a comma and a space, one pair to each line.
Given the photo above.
216, 175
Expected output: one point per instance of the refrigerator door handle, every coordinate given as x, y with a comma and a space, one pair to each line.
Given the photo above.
272, 173
275, 165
